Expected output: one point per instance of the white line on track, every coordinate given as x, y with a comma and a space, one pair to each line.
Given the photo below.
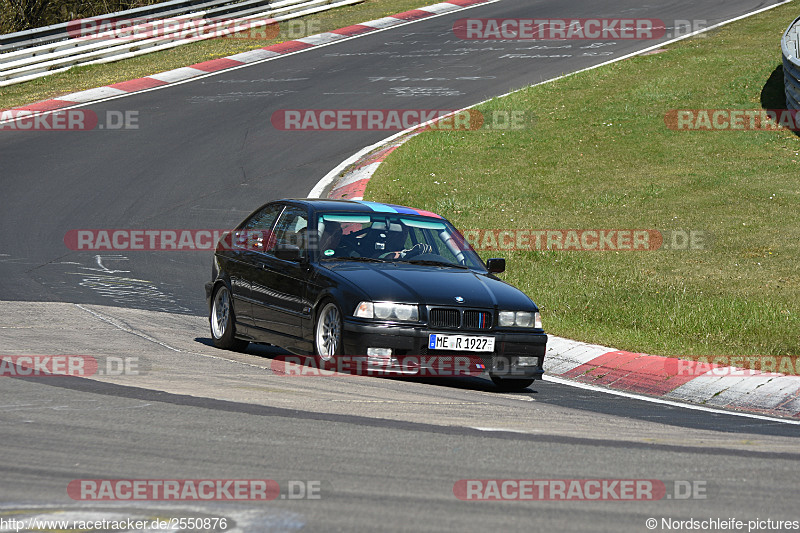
651, 399
117, 325
146, 337
502, 430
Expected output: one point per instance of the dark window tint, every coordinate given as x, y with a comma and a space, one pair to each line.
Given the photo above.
291, 228
255, 233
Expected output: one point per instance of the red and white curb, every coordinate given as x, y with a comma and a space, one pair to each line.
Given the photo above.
348, 180
668, 378
352, 183
253, 56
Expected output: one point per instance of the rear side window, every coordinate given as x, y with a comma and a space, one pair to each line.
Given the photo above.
255, 233
265, 218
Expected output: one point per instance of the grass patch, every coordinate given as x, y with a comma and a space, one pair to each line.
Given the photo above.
91, 76
600, 156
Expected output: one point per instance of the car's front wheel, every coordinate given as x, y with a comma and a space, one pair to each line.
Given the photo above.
328, 333
511, 384
223, 331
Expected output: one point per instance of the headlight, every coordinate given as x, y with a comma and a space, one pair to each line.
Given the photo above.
519, 319
506, 318
387, 311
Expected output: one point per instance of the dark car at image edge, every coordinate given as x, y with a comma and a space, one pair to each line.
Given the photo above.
387, 285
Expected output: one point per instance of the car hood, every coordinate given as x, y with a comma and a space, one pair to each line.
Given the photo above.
432, 285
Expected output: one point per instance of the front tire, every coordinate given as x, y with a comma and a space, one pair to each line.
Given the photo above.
328, 333
510, 384
221, 318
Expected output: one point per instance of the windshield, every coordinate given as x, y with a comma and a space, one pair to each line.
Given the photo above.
393, 238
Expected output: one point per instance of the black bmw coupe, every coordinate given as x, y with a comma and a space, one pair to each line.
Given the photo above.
392, 287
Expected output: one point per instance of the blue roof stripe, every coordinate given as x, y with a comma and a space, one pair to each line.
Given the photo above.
400, 209
381, 208
404, 210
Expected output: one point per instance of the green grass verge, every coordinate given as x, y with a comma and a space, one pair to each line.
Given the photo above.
600, 156
90, 76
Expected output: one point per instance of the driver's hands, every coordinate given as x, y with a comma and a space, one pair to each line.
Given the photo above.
418, 249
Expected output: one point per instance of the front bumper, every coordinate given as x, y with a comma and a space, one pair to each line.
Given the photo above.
411, 355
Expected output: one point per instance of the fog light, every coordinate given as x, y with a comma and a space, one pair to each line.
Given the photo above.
528, 361
379, 352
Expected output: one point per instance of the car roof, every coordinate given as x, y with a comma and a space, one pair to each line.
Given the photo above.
358, 206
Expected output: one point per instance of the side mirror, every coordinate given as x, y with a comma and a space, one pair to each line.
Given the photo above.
289, 252
496, 265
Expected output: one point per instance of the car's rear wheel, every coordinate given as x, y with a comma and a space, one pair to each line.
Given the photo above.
328, 333
511, 384
221, 317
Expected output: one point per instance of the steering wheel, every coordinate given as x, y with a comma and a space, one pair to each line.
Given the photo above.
415, 250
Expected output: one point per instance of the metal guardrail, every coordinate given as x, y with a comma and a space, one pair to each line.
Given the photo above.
790, 48
35, 53
57, 32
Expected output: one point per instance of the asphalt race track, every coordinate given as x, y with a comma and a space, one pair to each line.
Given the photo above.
386, 453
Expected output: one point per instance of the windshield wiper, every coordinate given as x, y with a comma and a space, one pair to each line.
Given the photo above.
362, 259
432, 263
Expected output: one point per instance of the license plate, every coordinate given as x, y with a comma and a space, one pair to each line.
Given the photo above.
461, 343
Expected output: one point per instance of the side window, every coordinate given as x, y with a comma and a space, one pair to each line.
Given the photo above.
264, 218
437, 240
255, 234
291, 229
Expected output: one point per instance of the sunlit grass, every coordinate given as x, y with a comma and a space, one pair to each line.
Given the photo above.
600, 156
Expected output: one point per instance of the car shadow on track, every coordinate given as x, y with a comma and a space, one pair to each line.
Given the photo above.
474, 383
262, 350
